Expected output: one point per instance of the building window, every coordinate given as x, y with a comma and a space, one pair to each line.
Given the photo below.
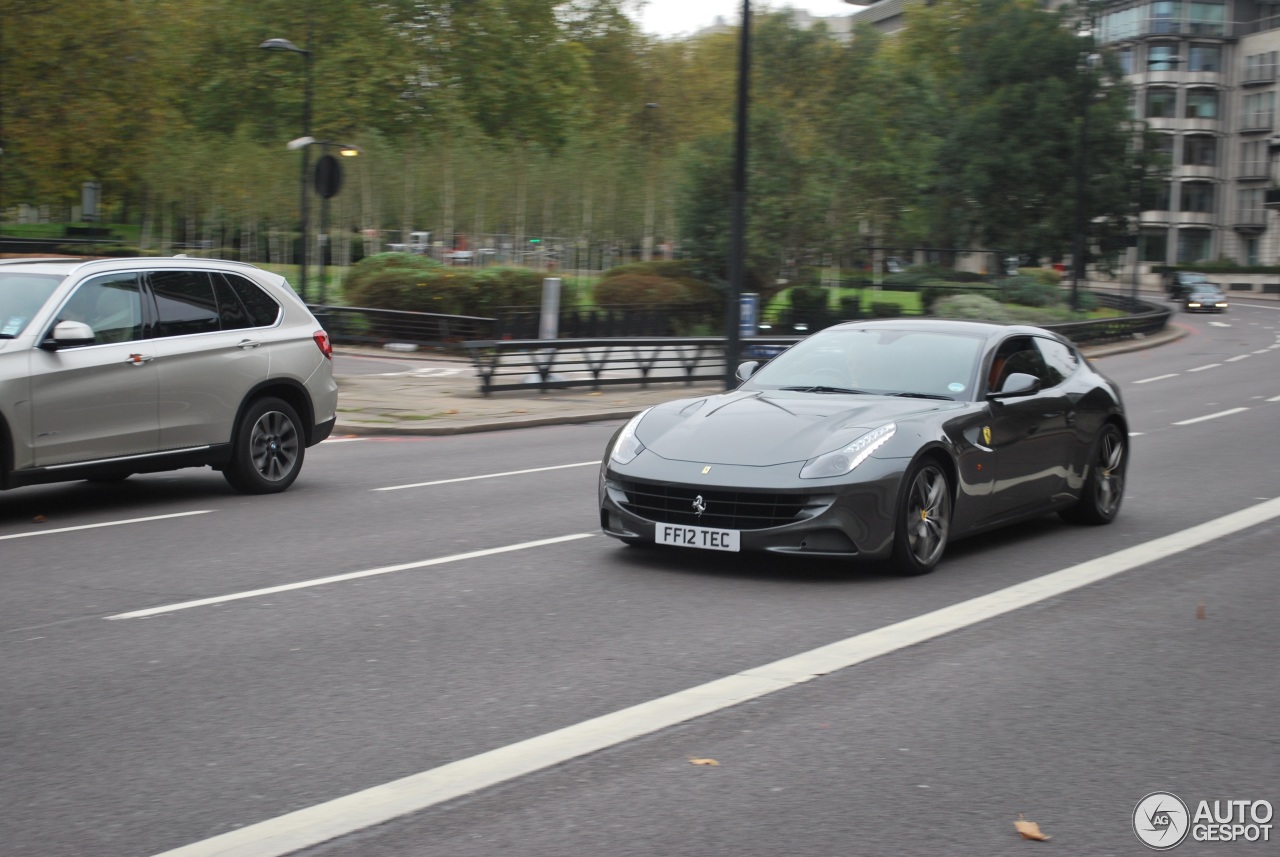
1125, 57
1253, 158
1260, 67
1153, 245
1249, 206
1200, 151
1164, 145
1118, 26
1202, 104
1197, 197
1162, 103
1156, 198
1258, 111
1194, 245
1162, 58
1208, 19
1165, 16
1204, 58
1251, 250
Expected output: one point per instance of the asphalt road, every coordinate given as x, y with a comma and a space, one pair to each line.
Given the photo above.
132, 736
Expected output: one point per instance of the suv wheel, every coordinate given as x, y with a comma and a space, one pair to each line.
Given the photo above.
267, 451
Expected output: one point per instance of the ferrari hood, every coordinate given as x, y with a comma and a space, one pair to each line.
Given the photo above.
764, 428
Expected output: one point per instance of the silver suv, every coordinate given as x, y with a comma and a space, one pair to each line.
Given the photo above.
122, 366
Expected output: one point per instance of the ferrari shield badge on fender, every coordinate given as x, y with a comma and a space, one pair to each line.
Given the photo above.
986, 435
706, 470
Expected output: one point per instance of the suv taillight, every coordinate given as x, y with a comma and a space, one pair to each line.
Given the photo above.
322, 342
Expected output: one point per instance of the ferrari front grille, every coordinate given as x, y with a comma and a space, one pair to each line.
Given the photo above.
731, 510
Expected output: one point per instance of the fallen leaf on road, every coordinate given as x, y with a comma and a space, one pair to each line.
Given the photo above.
1200, 612
1029, 829
452, 411
594, 393
38, 519
711, 762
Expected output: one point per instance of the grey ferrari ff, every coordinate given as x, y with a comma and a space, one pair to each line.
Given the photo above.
875, 440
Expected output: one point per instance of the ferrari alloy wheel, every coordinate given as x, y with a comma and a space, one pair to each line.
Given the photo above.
924, 519
1104, 485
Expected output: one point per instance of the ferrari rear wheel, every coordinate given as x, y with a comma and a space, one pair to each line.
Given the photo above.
924, 519
1104, 486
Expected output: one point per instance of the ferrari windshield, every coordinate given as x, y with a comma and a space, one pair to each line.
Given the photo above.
21, 296
877, 362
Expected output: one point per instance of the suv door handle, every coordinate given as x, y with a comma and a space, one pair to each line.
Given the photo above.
246, 344
139, 359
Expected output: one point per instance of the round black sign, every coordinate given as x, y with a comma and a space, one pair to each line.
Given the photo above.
328, 176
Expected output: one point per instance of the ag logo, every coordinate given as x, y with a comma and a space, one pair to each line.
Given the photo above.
1161, 821
986, 435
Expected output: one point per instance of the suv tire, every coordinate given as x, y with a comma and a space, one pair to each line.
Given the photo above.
268, 448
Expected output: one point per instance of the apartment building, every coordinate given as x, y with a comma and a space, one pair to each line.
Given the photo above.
1204, 78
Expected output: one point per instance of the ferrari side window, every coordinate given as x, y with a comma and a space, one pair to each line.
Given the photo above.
1060, 361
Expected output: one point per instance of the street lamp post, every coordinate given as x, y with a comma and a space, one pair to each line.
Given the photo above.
738, 212
303, 203
1080, 247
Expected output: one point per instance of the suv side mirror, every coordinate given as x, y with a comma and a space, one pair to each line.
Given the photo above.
747, 369
68, 333
1017, 384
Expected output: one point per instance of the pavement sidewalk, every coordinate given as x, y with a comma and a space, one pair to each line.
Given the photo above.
433, 403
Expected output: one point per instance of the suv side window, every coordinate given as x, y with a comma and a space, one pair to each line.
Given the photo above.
111, 305
185, 302
257, 307
1060, 361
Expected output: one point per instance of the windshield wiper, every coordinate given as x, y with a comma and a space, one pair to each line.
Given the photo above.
8, 336
923, 396
823, 389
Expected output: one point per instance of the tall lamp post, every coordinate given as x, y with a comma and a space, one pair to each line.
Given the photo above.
303, 202
1080, 246
738, 214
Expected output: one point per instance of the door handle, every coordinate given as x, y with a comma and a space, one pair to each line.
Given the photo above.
139, 359
246, 344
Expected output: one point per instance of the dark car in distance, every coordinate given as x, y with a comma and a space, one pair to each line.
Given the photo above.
1205, 299
1180, 284
875, 440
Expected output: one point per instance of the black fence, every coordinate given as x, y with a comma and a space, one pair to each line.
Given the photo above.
616, 320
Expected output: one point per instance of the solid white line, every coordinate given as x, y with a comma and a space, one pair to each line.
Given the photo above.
1202, 368
320, 823
486, 476
338, 578
1261, 351
1210, 417
1238, 357
105, 524
1157, 378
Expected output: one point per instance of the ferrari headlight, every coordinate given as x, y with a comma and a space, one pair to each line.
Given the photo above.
628, 446
843, 460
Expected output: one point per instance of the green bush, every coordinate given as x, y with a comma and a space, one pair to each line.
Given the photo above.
974, 307
885, 309
849, 306
933, 290
808, 302
408, 282
658, 282
1028, 291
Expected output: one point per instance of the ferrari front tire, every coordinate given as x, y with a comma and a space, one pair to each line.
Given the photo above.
923, 519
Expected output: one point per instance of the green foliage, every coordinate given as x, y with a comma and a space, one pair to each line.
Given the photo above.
658, 282
403, 281
1028, 291
933, 290
808, 301
976, 307
885, 309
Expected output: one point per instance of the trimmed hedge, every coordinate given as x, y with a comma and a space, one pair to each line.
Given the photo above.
408, 282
